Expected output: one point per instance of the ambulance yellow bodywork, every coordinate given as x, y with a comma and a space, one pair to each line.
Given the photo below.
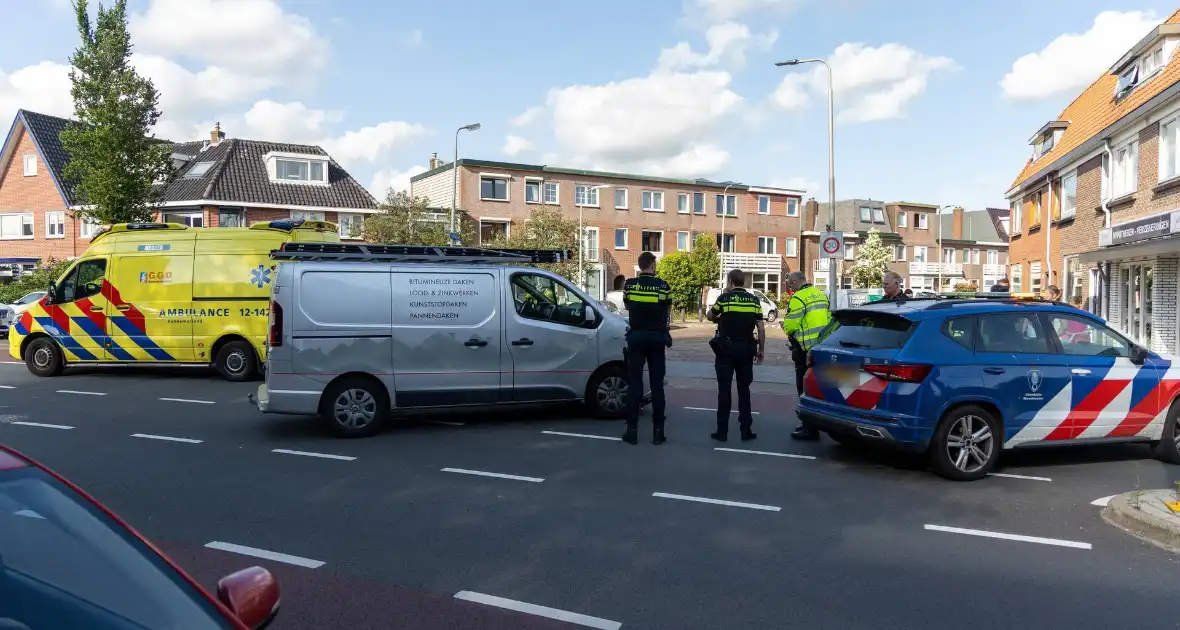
162, 293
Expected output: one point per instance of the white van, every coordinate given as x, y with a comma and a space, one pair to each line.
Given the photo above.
359, 330
769, 308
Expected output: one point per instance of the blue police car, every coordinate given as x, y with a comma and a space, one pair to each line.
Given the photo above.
963, 379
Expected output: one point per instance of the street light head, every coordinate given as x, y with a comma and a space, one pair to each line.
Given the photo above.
789, 62
472, 127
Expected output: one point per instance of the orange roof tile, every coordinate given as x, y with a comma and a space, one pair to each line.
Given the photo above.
1096, 109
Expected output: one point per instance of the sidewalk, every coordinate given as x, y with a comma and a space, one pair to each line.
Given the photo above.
1145, 515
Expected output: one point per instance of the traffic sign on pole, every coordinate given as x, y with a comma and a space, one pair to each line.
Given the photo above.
831, 245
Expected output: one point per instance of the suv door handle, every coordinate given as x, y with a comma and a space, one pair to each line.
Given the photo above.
993, 370
523, 342
475, 343
1080, 371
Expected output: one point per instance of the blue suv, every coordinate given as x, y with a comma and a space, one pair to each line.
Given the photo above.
963, 379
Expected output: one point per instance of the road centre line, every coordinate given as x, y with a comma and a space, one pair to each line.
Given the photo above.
189, 400
1017, 537
583, 435
284, 451
770, 453
481, 473
714, 410
40, 424
1028, 477
540, 611
447, 423
78, 393
7, 387
683, 497
165, 438
254, 552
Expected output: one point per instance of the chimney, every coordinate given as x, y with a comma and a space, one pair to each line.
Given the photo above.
216, 135
434, 162
810, 212
957, 223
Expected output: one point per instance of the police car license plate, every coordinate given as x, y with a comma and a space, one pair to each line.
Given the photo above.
840, 375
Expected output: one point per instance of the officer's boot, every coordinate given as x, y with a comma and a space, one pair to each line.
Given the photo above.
657, 435
631, 435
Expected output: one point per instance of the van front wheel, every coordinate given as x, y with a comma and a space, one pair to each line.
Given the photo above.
43, 357
237, 361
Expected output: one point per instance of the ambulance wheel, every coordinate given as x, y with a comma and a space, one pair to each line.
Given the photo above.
966, 444
606, 393
1167, 449
355, 407
43, 357
237, 361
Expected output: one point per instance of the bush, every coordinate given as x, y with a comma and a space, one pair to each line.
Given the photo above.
35, 280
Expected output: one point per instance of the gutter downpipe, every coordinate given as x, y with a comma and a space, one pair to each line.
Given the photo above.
1048, 231
1104, 268
1105, 176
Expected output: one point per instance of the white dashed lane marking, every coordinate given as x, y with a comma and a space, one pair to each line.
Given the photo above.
540, 611
254, 552
583, 435
715, 410
1016, 537
78, 393
1027, 477
41, 425
165, 438
768, 453
284, 451
7, 387
750, 506
188, 400
481, 473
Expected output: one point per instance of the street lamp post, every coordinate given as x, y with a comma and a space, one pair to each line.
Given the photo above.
724, 213
455, 177
582, 231
832, 281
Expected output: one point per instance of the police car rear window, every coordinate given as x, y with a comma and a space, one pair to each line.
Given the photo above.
868, 330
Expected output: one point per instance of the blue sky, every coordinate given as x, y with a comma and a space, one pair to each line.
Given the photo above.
383, 84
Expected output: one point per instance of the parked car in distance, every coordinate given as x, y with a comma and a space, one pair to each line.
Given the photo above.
769, 308
66, 561
27, 300
8, 312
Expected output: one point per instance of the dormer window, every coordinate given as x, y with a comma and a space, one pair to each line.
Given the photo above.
1047, 137
198, 170
297, 169
1140, 71
1153, 62
1127, 81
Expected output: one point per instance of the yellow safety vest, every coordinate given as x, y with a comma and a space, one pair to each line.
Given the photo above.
807, 316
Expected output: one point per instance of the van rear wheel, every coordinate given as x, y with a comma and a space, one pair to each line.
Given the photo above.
237, 361
43, 357
355, 407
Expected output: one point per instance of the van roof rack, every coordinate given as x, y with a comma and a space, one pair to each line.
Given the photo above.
136, 227
370, 252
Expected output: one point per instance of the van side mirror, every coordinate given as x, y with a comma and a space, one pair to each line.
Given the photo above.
52, 292
589, 315
1138, 354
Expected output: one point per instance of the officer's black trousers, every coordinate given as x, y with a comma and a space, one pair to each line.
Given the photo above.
645, 346
736, 359
799, 357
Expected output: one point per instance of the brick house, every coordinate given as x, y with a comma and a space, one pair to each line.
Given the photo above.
218, 182
1096, 209
756, 228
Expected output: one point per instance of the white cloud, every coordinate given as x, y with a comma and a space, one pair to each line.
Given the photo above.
729, 44
810, 187
515, 145
372, 143
528, 116
871, 83
392, 178
696, 160
1072, 61
412, 40
714, 11
184, 92
43, 88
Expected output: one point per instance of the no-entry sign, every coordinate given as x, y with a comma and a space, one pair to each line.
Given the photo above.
831, 244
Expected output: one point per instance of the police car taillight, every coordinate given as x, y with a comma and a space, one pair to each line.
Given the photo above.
275, 338
903, 373
811, 384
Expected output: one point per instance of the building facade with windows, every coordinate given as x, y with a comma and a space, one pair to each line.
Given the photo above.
217, 182
929, 245
1096, 208
756, 228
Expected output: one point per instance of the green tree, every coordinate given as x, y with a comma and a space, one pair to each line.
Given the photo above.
872, 261
406, 220
676, 269
35, 280
706, 262
114, 159
547, 228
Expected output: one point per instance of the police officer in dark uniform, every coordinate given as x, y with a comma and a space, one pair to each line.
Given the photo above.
737, 312
649, 304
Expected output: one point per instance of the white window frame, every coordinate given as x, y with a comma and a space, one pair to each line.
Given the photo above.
921, 254
879, 212
590, 252
992, 257
507, 223
687, 241
790, 247
773, 249
921, 220
540, 184
1122, 182
683, 203
24, 218
648, 200
1147, 70
704, 203
948, 255
728, 237
644, 232
356, 217
849, 251
1169, 149
285, 158
901, 220
1016, 278
1035, 283
186, 216
55, 218
626, 199
556, 187
1017, 216
88, 227
866, 214
728, 202
899, 253
626, 238
975, 256
588, 192
29, 162
763, 204
792, 207
494, 176
1068, 209
305, 215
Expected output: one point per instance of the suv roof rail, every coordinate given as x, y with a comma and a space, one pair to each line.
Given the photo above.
368, 252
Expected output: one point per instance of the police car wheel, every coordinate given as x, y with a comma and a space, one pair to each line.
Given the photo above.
966, 444
606, 393
43, 357
355, 407
1168, 448
237, 361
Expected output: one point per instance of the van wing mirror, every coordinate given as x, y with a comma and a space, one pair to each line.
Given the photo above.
589, 315
52, 292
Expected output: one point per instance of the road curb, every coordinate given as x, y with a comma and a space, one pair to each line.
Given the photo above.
1151, 521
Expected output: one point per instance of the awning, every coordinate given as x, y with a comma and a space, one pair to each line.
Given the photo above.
1154, 247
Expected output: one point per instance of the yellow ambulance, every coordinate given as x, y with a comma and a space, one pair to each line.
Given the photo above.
162, 293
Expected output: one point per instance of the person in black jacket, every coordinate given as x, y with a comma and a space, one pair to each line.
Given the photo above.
1001, 286
648, 299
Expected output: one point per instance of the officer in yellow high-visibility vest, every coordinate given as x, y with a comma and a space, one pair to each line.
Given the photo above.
807, 316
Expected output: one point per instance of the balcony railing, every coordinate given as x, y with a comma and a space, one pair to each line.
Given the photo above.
933, 268
821, 264
757, 263
995, 270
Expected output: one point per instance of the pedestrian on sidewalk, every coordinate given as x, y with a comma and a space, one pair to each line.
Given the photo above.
648, 299
892, 285
807, 316
737, 313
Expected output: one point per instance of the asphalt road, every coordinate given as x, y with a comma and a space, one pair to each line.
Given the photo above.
385, 532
